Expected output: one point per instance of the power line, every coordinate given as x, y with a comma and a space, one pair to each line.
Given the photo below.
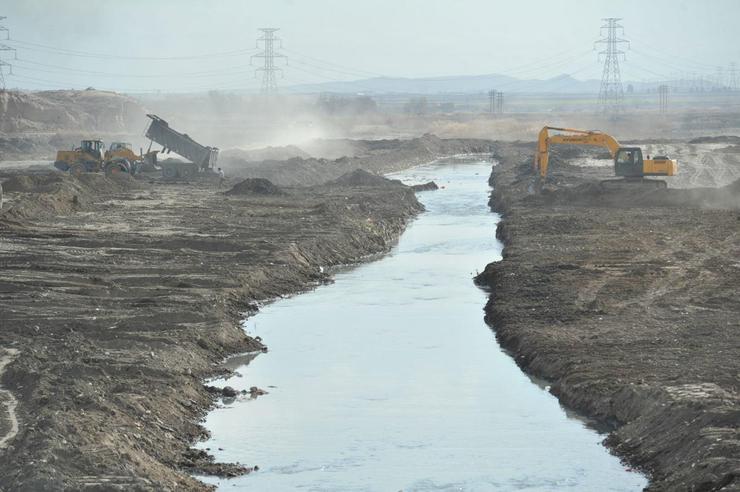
268, 54
27, 45
5, 48
611, 93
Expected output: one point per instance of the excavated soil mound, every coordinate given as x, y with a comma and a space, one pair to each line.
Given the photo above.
56, 193
358, 177
255, 186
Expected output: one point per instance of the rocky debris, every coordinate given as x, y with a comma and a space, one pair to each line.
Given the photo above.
229, 392
199, 462
425, 186
256, 186
254, 392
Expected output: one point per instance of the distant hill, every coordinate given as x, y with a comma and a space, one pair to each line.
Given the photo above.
455, 84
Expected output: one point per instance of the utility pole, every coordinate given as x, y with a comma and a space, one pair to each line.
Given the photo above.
3, 63
492, 101
663, 96
500, 102
611, 94
268, 54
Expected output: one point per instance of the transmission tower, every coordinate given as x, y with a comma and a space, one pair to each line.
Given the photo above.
720, 78
500, 102
268, 43
732, 85
611, 94
4, 48
492, 101
663, 96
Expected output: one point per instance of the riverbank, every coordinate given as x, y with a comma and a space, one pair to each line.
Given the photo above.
629, 303
120, 296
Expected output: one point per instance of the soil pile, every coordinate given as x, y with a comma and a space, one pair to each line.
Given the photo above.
256, 186
358, 177
60, 193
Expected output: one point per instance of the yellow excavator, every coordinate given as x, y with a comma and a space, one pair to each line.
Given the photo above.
629, 163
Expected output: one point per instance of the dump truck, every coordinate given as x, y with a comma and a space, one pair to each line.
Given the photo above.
202, 158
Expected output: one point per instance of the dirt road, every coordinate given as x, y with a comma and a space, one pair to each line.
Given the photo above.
120, 295
629, 303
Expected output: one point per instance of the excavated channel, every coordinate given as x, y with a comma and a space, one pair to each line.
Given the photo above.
389, 379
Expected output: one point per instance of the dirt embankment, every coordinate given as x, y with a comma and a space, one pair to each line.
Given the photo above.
119, 296
35, 125
629, 303
379, 156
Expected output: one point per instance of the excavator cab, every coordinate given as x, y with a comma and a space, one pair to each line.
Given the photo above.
628, 162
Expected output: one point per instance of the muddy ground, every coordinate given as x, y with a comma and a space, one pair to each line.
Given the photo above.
118, 296
629, 303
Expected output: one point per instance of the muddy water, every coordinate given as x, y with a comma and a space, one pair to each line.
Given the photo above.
389, 379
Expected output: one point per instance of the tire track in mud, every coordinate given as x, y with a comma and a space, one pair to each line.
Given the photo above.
8, 419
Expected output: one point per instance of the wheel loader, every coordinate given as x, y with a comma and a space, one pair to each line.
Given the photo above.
90, 157
629, 163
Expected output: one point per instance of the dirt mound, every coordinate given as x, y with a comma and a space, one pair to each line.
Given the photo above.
255, 186
59, 193
34, 183
359, 177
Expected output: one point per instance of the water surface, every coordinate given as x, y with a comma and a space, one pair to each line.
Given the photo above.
389, 379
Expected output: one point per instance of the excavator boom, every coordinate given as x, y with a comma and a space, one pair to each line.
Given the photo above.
628, 161
578, 137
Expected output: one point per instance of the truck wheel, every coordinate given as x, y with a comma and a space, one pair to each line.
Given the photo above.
77, 169
117, 167
169, 172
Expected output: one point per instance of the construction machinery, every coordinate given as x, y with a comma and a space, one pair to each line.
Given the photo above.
629, 163
202, 158
87, 158
90, 157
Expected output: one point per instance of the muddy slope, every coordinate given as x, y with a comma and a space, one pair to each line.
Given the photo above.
119, 296
629, 303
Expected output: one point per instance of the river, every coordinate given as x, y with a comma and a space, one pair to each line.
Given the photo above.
389, 379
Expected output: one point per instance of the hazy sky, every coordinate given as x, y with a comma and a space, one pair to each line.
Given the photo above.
58, 41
